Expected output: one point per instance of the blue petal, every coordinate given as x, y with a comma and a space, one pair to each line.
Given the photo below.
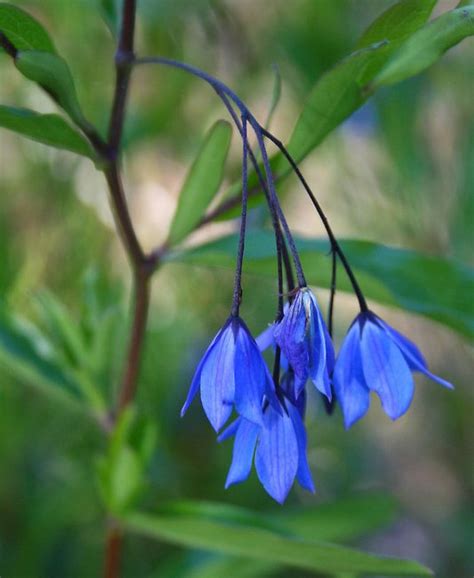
266, 339
303, 474
412, 354
276, 458
242, 456
251, 376
385, 370
217, 379
196, 382
316, 349
330, 356
349, 382
290, 335
230, 430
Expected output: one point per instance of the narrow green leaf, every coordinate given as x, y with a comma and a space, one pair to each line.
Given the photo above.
52, 73
276, 95
28, 355
397, 23
23, 31
203, 181
109, 10
341, 520
260, 544
431, 286
222, 566
426, 46
49, 129
342, 90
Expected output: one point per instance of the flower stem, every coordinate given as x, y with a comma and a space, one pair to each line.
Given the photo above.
243, 223
138, 260
334, 243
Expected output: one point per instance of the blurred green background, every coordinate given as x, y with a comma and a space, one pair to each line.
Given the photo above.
400, 172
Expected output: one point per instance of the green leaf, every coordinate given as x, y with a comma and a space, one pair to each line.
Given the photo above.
397, 23
121, 472
52, 73
29, 356
203, 181
23, 31
276, 95
340, 92
49, 129
110, 13
426, 46
431, 286
221, 566
345, 519
261, 544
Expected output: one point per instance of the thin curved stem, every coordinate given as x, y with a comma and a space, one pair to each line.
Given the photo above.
332, 293
224, 90
243, 223
334, 243
274, 197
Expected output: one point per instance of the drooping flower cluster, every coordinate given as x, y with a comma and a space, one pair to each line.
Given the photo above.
233, 378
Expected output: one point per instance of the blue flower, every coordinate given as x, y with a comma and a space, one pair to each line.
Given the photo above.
375, 357
277, 447
304, 340
232, 373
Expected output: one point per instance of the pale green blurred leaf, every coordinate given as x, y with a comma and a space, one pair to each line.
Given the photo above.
221, 566
341, 91
260, 544
52, 73
202, 182
426, 46
342, 520
30, 357
431, 286
49, 129
121, 471
22, 30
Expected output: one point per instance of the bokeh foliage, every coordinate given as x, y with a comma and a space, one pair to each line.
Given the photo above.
57, 241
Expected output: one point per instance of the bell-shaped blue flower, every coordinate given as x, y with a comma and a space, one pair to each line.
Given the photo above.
305, 342
232, 374
277, 447
375, 357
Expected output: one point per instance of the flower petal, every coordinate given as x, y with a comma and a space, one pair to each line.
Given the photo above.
349, 382
196, 382
251, 376
303, 474
217, 379
412, 354
266, 339
385, 370
276, 458
290, 335
242, 456
317, 350
230, 430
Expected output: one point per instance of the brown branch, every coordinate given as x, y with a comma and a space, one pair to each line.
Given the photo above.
123, 62
113, 551
137, 334
139, 263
